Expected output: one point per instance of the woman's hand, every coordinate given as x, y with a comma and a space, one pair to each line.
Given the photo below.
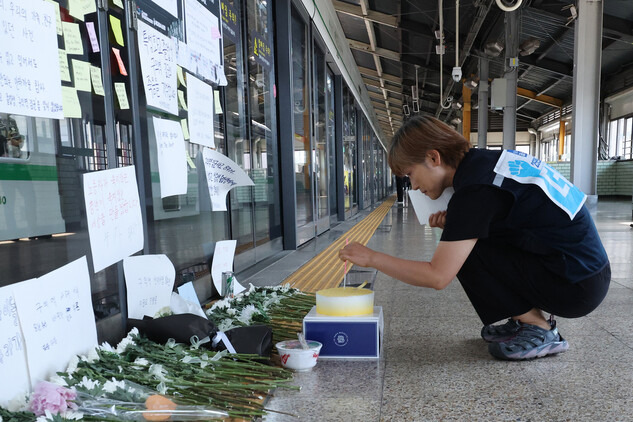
356, 254
438, 219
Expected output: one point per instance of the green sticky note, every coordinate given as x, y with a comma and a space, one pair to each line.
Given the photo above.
121, 94
81, 74
72, 38
181, 76
185, 128
181, 99
70, 103
189, 160
64, 71
97, 84
217, 104
115, 24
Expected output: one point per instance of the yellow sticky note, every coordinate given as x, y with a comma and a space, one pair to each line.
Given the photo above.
72, 38
79, 8
121, 94
217, 104
181, 99
70, 102
115, 24
95, 76
118, 3
64, 71
181, 77
81, 74
185, 128
189, 160
58, 17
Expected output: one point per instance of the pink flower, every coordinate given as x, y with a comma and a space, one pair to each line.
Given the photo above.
52, 397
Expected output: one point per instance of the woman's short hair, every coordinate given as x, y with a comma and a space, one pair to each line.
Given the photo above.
421, 134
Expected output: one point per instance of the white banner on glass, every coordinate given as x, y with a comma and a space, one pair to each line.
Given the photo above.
30, 79
113, 211
157, 54
57, 318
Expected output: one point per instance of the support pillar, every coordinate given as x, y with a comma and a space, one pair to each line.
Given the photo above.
482, 111
586, 96
511, 53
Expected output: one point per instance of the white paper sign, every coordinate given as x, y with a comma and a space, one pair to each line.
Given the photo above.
158, 68
113, 209
13, 364
223, 261
223, 174
170, 6
201, 25
200, 97
149, 280
30, 81
57, 318
172, 157
425, 206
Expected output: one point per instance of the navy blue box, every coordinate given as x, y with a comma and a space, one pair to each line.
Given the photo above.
351, 337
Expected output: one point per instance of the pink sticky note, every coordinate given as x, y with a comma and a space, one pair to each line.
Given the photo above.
117, 53
215, 33
93, 37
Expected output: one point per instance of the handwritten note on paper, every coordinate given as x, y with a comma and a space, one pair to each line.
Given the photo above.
172, 164
12, 350
121, 94
223, 174
95, 76
72, 38
92, 34
200, 96
119, 60
64, 70
29, 71
81, 73
149, 280
57, 318
425, 206
113, 209
199, 31
72, 106
79, 8
223, 261
158, 68
58, 17
170, 6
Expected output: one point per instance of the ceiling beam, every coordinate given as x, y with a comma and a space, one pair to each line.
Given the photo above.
371, 72
372, 15
543, 99
382, 52
376, 84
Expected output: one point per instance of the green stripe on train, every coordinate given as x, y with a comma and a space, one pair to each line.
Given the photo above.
9, 171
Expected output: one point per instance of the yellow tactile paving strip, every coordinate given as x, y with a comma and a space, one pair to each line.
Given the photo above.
326, 270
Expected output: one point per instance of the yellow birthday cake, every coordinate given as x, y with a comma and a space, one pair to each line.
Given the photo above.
345, 301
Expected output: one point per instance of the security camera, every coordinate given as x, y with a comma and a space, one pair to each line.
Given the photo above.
457, 74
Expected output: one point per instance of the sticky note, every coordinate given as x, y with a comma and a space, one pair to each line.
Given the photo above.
181, 77
81, 75
97, 84
115, 24
94, 42
121, 94
181, 99
72, 38
118, 3
119, 60
189, 160
216, 103
185, 128
64, 71
215, 33
70, 102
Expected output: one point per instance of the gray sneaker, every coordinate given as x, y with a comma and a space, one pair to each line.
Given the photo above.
530, 342
502, 332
